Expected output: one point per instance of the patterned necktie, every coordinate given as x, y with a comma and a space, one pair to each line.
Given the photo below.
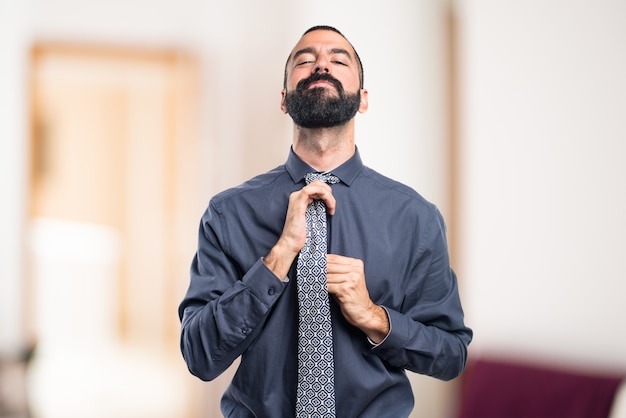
316, 374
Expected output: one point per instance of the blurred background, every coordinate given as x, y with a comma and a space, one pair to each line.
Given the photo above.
120, 119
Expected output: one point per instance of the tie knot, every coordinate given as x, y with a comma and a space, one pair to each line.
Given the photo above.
325, 177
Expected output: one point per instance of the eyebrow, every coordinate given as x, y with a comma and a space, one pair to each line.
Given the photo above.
312, 51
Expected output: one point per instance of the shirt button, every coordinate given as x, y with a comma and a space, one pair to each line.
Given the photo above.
271, 291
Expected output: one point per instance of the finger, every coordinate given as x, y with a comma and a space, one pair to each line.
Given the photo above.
343, 263
338, 269
343, 272
318, 190
302, 198
335, 258
333, 288
338, 283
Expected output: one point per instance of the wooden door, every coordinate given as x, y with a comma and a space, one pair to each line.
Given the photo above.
114, 165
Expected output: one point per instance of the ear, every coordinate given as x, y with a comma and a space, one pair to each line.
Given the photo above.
282, 101
364, 101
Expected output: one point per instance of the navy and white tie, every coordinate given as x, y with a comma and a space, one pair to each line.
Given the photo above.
316, 374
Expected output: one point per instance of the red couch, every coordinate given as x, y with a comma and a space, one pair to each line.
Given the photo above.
494, 388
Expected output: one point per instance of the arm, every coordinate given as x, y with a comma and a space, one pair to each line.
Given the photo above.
224, 308
428, 334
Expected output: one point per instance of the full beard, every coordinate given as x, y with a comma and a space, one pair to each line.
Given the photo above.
316, 108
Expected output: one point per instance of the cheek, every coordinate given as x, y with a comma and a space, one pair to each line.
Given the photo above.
295, 76
348, 79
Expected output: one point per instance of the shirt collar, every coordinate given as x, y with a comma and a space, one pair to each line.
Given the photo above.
346, 172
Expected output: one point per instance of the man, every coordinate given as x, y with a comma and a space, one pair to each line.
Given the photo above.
393, 297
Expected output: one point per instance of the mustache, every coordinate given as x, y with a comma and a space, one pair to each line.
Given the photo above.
304, 83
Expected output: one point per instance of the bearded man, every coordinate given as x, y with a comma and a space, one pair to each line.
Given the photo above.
329, 335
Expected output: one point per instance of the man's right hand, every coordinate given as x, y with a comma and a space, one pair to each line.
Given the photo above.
281, 256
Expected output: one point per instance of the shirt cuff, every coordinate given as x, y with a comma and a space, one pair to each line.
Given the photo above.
372, 343
264, 283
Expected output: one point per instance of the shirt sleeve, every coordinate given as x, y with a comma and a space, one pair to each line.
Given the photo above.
224, 308
427, 333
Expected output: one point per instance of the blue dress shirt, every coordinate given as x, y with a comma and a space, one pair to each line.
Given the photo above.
236, 307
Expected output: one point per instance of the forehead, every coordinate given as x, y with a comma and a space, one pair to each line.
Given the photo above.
320, 40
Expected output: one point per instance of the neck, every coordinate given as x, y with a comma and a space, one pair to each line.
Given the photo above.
324, 148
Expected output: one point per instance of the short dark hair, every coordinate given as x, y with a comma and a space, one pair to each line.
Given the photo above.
330, 28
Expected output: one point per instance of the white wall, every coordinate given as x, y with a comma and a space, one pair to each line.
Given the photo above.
13, 131
543, 199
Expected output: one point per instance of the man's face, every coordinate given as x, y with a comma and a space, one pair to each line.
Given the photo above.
322, 81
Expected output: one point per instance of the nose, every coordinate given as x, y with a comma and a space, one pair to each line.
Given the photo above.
321, 65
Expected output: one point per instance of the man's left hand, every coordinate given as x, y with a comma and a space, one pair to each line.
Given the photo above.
346, 281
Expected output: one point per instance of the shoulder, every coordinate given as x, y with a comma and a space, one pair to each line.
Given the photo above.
273, 182
394, 191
